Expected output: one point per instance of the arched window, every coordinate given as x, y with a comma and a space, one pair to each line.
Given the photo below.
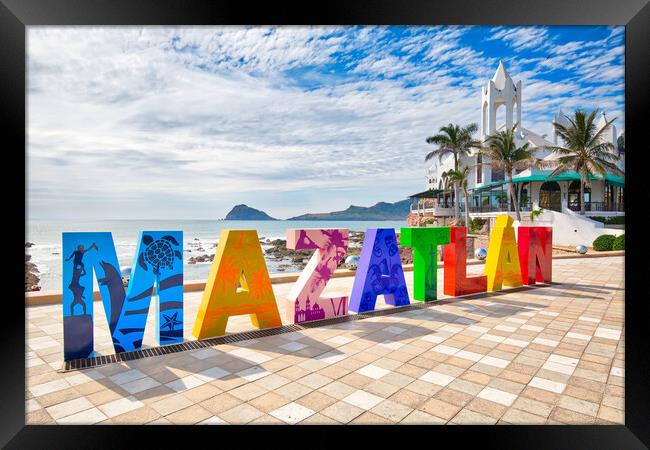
479, 169
574, 195
550, 196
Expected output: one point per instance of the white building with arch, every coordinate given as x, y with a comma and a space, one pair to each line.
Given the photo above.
502, 98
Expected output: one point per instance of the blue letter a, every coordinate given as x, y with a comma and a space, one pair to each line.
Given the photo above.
379, 272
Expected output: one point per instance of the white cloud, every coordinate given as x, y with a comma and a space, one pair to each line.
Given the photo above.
522, 38
185, 122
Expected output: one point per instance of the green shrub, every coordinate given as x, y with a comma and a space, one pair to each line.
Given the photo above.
604, 243
535, 213
619, 242
476, 224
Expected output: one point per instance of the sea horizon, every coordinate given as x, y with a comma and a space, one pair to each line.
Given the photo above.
200, 237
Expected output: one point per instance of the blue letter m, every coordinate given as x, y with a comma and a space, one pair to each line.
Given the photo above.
158, 265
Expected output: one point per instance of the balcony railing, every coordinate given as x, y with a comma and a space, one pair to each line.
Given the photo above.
525, 207
598, 206
431, 205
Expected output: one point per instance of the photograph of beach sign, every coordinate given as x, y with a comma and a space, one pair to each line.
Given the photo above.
239, 282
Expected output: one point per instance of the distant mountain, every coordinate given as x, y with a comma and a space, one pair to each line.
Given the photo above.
380, 211
243, 212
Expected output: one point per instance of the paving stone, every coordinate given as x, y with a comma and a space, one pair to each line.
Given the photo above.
342, 412
68, 408
220, 403
422, 418
120, 406
241, 415
138, 416
189, 416
391, 410
171, 404
439, 408
468, 417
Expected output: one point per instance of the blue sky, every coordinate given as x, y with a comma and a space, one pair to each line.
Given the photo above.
185, 122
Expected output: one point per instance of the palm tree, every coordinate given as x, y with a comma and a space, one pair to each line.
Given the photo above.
460, 179
585, 150
503, 154
457, 141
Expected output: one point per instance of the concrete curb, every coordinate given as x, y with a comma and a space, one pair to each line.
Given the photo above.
40, 298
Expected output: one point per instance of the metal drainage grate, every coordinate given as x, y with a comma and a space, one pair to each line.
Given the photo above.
86, 363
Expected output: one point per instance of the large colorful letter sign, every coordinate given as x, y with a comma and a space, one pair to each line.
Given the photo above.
456, 280
238, 284
425, 242
304, 301
158, 264
379, 272
502, 262
535, 254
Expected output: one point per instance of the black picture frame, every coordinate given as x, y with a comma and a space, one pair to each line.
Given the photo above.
16, 15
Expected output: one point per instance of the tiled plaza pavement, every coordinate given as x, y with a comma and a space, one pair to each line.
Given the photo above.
547, 355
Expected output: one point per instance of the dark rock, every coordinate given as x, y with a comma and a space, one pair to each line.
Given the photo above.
29, 244
200, 259
31, 277
243, 212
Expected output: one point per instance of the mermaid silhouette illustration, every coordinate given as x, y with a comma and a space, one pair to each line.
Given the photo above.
78, 255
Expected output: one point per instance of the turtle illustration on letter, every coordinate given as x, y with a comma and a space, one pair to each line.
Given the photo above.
159, 253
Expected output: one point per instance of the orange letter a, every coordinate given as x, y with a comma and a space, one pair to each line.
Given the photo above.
238, 284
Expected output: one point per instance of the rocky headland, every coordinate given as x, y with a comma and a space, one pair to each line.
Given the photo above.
244, 212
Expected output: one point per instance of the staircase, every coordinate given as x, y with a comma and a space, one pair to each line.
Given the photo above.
571, 228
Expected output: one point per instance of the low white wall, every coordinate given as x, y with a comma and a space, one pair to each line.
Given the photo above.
570, 228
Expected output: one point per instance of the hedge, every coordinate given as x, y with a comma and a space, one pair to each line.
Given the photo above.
619, 242
604, 243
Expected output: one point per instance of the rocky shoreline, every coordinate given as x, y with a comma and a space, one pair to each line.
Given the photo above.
31, 275
297, 259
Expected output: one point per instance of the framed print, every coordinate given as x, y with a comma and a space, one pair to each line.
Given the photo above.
357, 214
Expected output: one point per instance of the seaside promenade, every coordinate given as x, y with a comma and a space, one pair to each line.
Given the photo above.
552, 354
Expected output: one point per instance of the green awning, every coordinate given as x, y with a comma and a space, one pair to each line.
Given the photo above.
569, 176
431, 193
615, 181
489, 185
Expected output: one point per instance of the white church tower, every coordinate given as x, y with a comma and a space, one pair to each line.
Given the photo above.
610, 134
500, 90
560, 118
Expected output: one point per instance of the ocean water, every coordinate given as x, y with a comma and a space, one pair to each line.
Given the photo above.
46, 237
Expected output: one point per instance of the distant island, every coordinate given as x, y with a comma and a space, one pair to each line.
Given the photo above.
243, 212
380, 211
